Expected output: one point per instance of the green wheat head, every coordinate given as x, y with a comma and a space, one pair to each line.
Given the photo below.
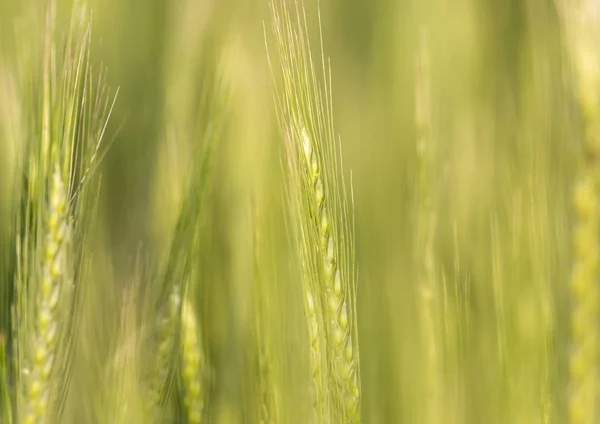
173, 349
322, 219
582, 26
63, 117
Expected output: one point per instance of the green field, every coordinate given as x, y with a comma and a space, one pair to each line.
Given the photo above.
298, 211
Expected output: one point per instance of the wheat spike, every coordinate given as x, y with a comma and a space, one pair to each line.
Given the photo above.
336, 310
166, 336
54, 277
583, 28
193, 365
320, 205
583, 369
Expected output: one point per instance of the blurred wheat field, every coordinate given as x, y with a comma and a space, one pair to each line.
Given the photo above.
299, 211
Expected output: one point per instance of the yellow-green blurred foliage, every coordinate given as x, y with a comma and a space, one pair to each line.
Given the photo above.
467, 324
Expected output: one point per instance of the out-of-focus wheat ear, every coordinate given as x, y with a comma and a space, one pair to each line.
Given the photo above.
5, 402
337, 293
268, 408
165, 337
54, 277
122, 397
583, 367
582, 27
193, 365
268, 411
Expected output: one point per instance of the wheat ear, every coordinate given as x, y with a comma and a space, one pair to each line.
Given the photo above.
343, 360
583, 368
583, 29
268, 412
320, 205
165, 337
193, 365
53, 279
5, 403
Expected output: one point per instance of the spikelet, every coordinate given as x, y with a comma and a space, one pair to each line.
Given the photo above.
54, 278
193, 367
